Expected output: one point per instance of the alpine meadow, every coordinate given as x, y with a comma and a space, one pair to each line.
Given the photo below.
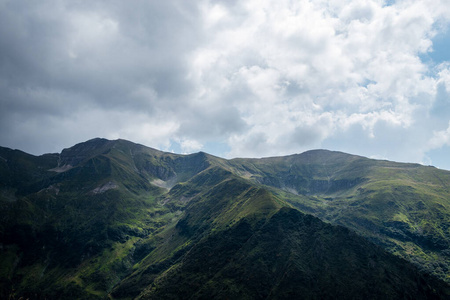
112, 219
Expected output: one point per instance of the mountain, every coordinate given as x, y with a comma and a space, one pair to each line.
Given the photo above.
403, 207
118, 220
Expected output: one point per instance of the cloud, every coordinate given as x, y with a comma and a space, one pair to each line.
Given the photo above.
258, 77
189, 146
351, 64
440, 138
61, 60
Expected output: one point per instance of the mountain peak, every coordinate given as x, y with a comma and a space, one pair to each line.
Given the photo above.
74, 155
121, 218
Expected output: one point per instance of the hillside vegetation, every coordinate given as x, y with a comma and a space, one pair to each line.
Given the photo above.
403, 207
113, 219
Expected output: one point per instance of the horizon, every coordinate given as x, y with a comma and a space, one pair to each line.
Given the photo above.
226, 158
254, 79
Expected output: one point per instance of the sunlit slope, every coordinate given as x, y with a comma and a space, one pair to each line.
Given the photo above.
403, 207
290, 256
70, 221
120, 220
216, 200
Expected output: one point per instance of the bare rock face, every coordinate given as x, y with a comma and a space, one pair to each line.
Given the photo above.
106, 187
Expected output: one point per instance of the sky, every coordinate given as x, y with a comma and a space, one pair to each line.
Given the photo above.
230, 78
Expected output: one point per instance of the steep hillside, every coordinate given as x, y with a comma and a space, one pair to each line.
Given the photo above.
120, 220
94, 200
210, 211
403, 207
290, 256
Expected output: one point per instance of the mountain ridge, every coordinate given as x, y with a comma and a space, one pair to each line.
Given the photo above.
126, 214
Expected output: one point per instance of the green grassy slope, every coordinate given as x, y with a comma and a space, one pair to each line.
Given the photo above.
71, 222
403, 207
120, 220
290, 256
224, 202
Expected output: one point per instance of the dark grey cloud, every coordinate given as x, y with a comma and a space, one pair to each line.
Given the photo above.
215, 121
104, 51
62, 58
